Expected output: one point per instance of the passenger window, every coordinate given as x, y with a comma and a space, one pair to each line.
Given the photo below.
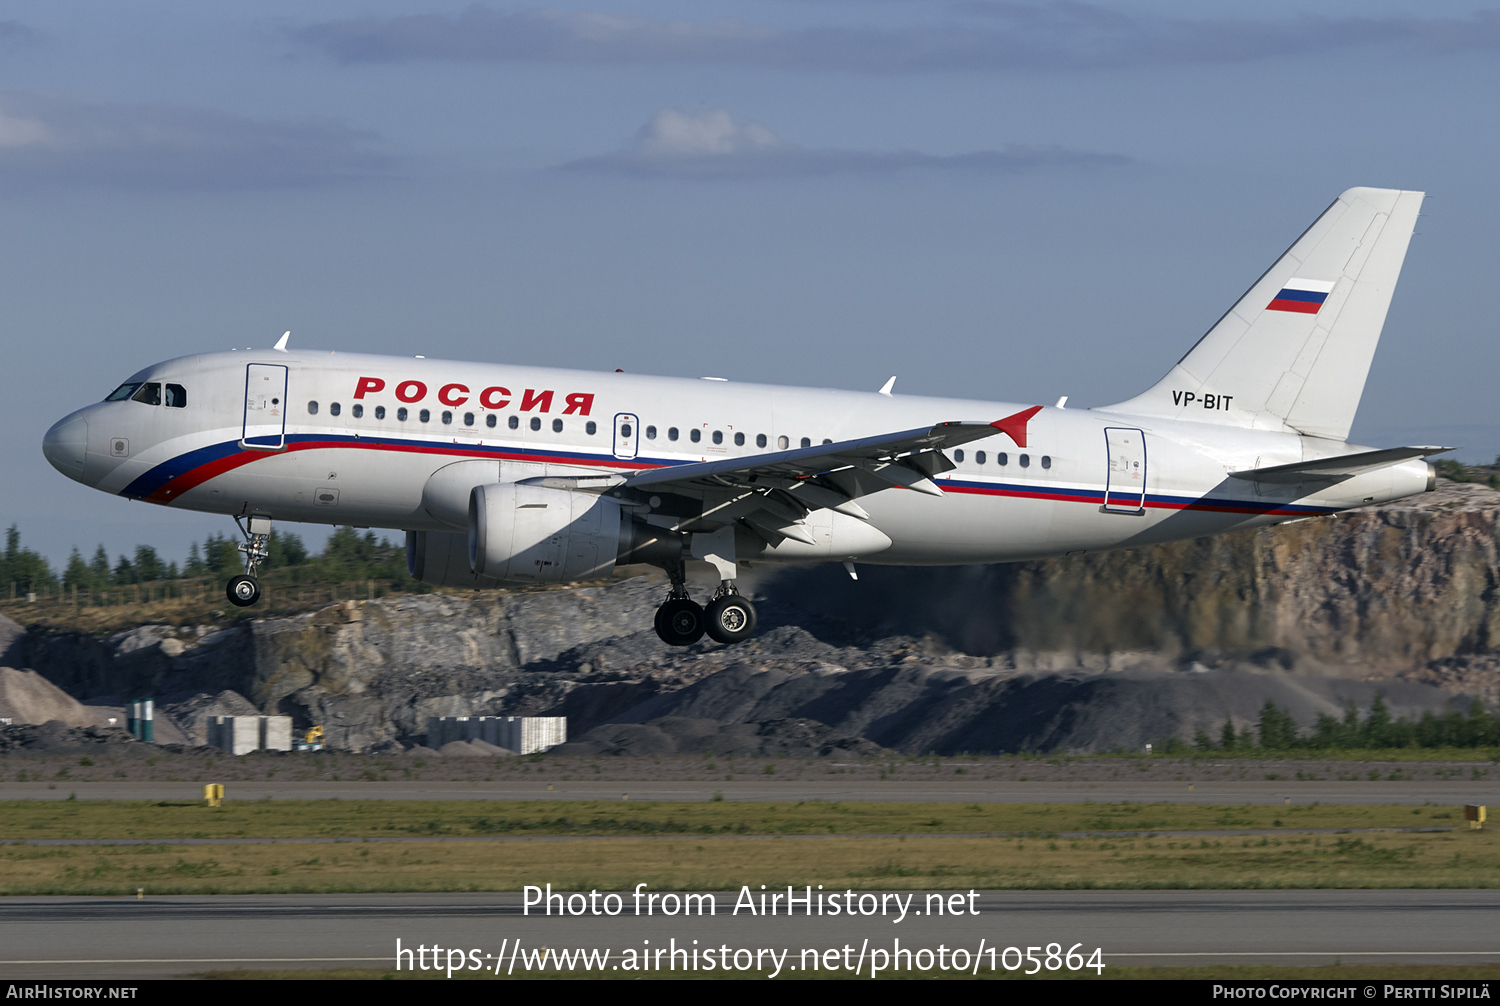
401, 415
979, 457
651, 433
557, 426
447, 418
150, 394
827, 441
312, 408
425, 415
514, 422
176, 396
1002, 458
695, 435
489, 420
739, 440
358, 411
625, 429
380, 412
958, 456
536, 423
806, 442
1046, 461
468, 419
591, 427
760, 440
718, 436
1025, 460
123, 392
334, 409
672, 433
783, 443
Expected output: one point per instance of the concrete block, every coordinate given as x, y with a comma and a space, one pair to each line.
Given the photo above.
521, 734
276, 733
236, 734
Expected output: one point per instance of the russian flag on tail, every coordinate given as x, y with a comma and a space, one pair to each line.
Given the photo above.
1301, 296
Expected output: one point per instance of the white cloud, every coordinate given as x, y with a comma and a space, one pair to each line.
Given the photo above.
711, 144
51, 139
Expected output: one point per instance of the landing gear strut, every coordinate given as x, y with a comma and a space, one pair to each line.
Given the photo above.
244, 590
680, 621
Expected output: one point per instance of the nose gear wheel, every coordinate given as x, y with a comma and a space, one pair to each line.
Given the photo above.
243, 591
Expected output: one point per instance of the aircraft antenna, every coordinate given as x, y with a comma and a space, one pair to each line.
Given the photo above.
886, 388
281, 342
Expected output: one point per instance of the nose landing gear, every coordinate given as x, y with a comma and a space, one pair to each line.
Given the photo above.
244, 590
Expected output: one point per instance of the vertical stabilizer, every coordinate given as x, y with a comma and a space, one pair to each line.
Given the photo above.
1293, 354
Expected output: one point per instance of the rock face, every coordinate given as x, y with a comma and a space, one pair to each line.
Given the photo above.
1383, 588
1082, 653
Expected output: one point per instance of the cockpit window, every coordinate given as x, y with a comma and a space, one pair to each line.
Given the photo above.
176, 396
150, 394
123, 392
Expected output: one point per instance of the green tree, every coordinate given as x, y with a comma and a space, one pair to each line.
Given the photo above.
124, 573
1376, 729
285, 550
1278, 730
148, 565
22, 566
78, 574
99, 566
1226, 735
1202, 741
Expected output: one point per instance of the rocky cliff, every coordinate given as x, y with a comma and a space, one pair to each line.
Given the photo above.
1080, 653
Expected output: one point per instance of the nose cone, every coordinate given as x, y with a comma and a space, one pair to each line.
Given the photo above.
65, 443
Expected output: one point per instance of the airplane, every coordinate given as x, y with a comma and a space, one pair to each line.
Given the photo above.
504, 475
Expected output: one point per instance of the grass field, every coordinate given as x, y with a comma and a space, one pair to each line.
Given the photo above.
99, 819
1452, 859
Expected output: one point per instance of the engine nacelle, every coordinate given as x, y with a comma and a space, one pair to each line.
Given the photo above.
528, 534
441, 558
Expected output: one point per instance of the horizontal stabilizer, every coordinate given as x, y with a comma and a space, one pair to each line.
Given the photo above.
1342, 466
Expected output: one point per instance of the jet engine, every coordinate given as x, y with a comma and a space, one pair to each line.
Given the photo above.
533, 534
441, 558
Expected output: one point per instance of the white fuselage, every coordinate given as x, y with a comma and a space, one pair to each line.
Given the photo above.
332, 466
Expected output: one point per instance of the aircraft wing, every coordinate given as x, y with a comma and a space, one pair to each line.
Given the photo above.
771, 494
1342, 466
909, 459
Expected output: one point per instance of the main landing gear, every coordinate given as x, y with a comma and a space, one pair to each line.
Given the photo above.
244, 590
681, 621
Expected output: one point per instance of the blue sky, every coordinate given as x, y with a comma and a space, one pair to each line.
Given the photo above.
990, 199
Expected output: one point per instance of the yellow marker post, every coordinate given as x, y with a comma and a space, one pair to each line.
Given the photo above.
1475, 815
213, 792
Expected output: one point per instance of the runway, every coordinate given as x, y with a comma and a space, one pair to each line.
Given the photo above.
123, 938
1412, 792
